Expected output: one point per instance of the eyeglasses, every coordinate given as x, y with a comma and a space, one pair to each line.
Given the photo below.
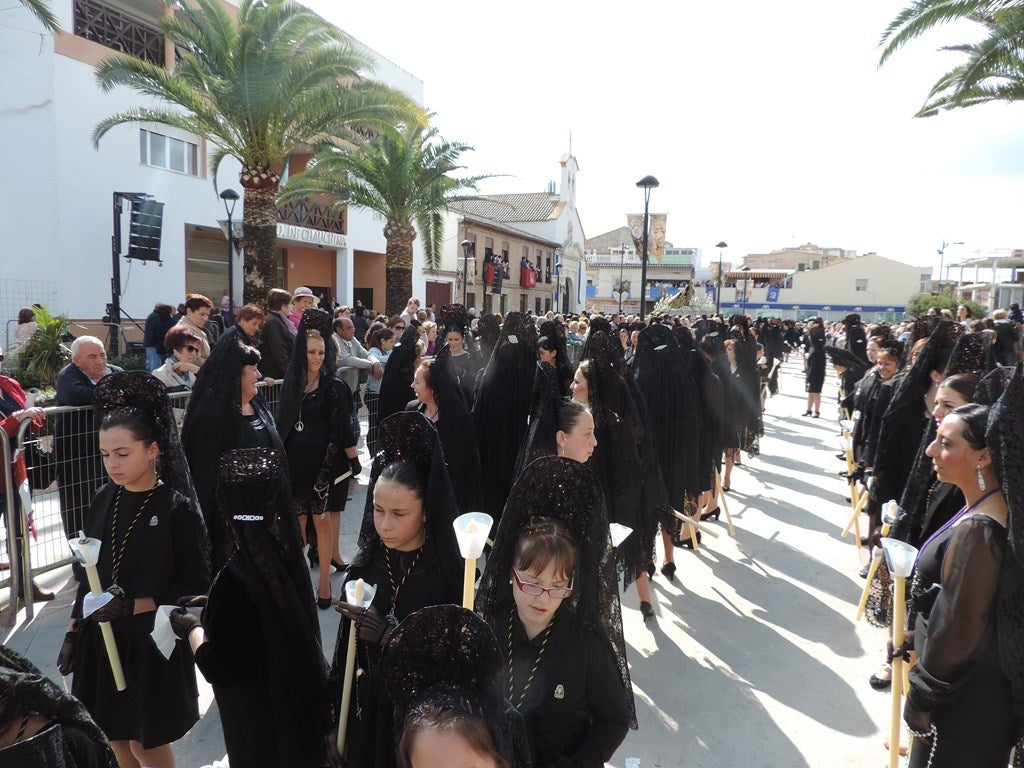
399, 327
190, 348
527, 588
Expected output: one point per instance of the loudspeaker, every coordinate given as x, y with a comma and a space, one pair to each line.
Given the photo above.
145, 226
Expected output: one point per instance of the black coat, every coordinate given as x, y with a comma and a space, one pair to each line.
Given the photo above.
157, 326
276, 346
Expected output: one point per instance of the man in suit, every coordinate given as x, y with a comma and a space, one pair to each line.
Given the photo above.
79, 466
352, 358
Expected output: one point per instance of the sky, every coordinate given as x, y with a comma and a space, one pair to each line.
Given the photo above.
767, 124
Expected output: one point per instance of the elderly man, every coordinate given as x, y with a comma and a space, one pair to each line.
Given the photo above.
352, 358
79, 467
412, 306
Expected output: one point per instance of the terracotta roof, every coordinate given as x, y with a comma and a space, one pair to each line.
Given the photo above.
526, 206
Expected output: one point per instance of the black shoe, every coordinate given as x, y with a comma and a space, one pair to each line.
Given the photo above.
339, 567
314, 558
688, 542
323, 603
646, 609
879, 683
816, 415
713, 513
650, 570
840, 455
807, 413
864, 571
669, 571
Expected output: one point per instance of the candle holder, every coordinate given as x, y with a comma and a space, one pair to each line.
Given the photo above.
900, 557
619, 533
890, 512
471, 531
358, 593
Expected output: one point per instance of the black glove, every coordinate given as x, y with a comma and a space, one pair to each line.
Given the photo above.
121, 607
66, 656
183, 622
369, 624
918, 720
904, 650
857, 474
192, 601
357, 468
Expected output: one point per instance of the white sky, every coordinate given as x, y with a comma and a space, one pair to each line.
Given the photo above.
768, 124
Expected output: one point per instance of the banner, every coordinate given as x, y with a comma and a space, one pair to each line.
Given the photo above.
773, 294
655, 235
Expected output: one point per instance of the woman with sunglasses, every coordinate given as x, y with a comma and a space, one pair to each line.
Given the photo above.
551, 596
178, 373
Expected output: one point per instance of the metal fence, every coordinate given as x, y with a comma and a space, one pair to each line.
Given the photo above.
64, 472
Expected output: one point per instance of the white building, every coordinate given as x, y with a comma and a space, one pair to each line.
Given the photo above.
57, 194
873, 286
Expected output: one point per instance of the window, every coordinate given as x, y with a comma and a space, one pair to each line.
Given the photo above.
925, 282
862, 285
108, 27
162, 151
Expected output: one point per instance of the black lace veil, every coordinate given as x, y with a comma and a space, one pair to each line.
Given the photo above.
294, 385
543, 422
396, 384
447, 657
552, 336
455, 429
565, 490
254, 497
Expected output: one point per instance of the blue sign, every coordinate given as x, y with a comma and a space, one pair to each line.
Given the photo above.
773, 294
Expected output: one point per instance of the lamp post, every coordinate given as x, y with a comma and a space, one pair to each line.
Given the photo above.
558, 281
230, 197
467, 252
647, 183
746, 278
942, 255
622, 260
718, 291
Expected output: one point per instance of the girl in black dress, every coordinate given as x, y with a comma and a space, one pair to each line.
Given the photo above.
315, 425
550, 594
443, 670
815, 377
154, 552
259, 640
408, 551
225, 412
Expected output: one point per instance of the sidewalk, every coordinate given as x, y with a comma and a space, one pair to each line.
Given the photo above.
754, 659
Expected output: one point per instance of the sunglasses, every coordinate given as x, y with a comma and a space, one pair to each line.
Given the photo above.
399, 327
527, 588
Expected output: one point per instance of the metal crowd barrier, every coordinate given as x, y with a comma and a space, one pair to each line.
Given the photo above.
62, 489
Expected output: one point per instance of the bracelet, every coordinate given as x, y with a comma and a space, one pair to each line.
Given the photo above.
924, 736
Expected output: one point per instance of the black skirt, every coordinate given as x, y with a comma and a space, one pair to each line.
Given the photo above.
160, 701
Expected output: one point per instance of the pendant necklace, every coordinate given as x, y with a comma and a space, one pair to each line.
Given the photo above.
119, 551
299, 426
396, 588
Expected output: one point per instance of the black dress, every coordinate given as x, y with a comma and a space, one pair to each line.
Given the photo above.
574, 706
815, 378
165, 559
308, 448
958, 676
371, 737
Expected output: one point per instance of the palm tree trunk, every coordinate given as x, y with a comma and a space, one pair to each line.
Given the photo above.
398, 265
259, 218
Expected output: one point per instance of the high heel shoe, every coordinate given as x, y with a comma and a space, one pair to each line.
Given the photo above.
807, 413
816, 414
669, 571
339, 567
713, 513
687, 542
646, 610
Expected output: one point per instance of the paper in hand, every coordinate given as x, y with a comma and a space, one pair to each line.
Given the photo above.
163, 633
93, 603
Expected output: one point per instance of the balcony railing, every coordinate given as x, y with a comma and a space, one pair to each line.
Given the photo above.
106, 26
306, 213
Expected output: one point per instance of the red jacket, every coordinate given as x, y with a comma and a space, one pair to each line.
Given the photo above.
13, 389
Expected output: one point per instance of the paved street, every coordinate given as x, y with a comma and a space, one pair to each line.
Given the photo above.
754, 659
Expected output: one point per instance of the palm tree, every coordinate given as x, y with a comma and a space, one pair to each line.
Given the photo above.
41, 10
405, 175
994, 69
258, 86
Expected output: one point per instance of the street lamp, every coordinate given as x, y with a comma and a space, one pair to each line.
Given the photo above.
746, 277
622, 259
942, 255
718, 292
467, 252
647, 183
230, 197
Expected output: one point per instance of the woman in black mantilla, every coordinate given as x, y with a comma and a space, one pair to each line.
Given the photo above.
259, 640
552, 349
814, 379
443, 670
502, 408
314, 415
617, 461
154, 552
961, 704
440, 398
550, 593
749, 381
225, 412
466, 361
850, 369
399, 372
408, 551
43, 725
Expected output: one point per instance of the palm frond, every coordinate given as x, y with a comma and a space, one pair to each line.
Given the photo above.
924, 15
41, 10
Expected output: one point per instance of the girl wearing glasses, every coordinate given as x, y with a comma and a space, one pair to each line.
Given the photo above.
550, 594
